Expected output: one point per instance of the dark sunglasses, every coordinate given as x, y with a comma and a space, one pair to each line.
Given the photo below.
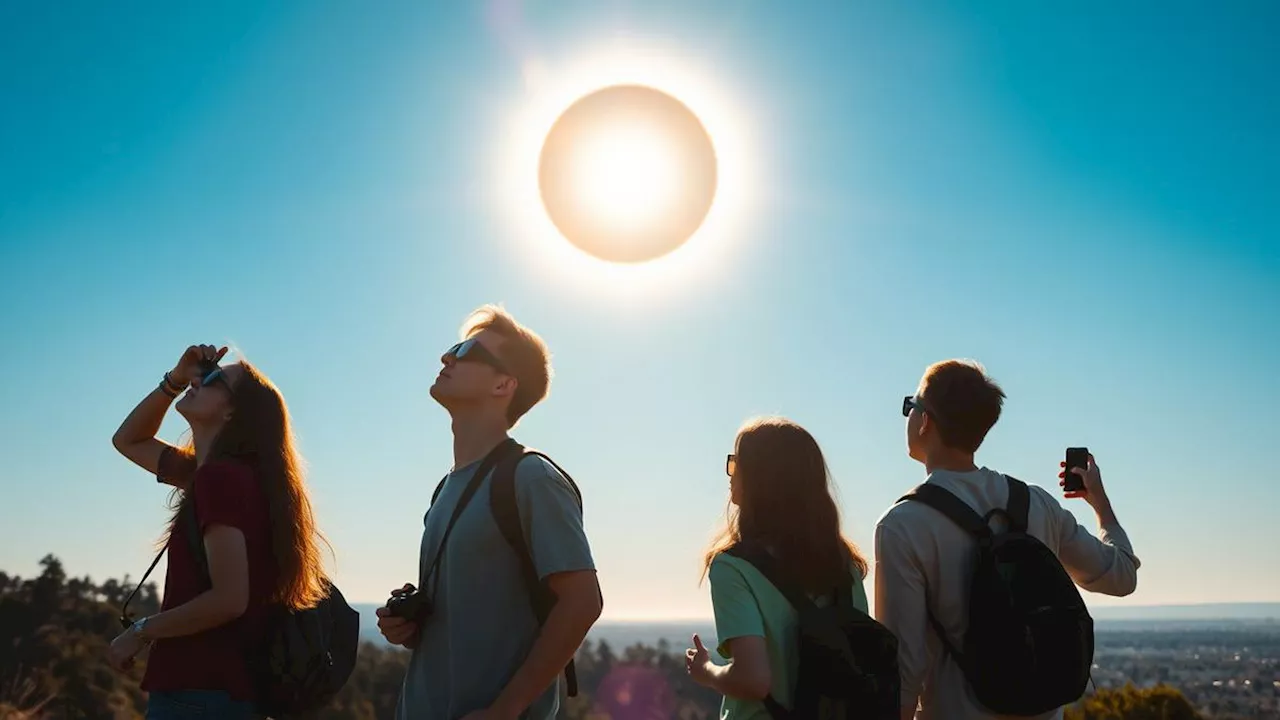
730, 464
910, 403
211, 373
471, 350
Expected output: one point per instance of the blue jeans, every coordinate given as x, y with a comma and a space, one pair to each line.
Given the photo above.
196, 704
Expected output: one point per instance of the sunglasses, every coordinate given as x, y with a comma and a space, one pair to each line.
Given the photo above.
731, 464
211, 373
471, 350
910, 403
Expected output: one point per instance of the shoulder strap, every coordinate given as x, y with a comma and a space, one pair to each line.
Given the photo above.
953, 507
189, 526
504, 448
765, 563
1019, 504
195, 538
506, 513
768, 566
439, 487
125, 618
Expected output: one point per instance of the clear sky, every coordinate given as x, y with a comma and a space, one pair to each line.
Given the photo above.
1085, 201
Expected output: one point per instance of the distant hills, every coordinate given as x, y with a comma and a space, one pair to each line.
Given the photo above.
1206, 611
621, 634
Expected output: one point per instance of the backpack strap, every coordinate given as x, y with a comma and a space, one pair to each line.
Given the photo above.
1019, 506
504, 449
953, 507
506, 513
439, 487
771, 569
971, 522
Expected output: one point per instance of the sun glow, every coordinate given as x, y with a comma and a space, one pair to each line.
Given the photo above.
625, 175
629, 163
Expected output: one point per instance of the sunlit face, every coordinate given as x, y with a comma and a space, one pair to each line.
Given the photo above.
918, 431
732, 467
473, 372
627, 173
208, 401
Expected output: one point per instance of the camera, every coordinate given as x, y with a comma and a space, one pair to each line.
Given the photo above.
409, 603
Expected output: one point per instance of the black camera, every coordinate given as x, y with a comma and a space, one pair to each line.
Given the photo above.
409, 603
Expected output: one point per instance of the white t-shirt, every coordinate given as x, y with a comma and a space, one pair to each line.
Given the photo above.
917, 547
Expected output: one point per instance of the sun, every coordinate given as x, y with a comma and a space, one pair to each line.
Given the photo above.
622, 166
627, 173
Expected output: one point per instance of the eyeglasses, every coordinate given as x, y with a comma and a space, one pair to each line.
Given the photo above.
211, 373
731, 464
910, 403
470, 350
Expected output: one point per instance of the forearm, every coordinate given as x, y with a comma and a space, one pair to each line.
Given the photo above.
733, 680
1106, 515
208, 610
560, 638
144, 422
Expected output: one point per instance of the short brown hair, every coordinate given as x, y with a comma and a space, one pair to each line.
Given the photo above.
524, 353
964, 401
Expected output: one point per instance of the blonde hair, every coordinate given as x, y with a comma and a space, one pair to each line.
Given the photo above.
524, 353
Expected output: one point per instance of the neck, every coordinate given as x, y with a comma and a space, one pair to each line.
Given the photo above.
202, 437
474, 435
949, 459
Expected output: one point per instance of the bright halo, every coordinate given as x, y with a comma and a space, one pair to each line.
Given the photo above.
550, 90
625, 175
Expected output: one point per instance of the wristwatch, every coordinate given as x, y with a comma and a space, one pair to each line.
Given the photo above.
139, 629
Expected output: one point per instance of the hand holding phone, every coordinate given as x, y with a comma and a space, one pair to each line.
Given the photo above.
1077, 457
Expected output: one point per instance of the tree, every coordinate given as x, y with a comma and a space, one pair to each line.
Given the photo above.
1129, 703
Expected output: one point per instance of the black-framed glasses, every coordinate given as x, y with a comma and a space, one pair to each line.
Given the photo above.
471, 350
731, 464
910, 403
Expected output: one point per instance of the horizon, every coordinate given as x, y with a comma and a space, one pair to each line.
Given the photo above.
1083, 201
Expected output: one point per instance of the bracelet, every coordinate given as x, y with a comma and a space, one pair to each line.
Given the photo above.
169, 386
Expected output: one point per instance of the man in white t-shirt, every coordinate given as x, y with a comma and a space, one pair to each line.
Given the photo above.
924, 561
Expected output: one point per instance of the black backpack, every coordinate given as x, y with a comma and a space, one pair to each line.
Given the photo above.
848, 662
506, 513
304, 657
1029, 645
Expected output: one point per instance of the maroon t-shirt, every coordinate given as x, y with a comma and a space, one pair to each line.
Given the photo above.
226, 493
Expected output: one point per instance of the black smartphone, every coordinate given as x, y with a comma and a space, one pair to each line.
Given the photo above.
1077, 457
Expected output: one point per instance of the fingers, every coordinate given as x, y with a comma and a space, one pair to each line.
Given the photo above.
697, 643
402, 634
383, 612
221, 352
390, 622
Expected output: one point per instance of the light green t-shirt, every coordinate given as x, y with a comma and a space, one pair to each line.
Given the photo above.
747, 604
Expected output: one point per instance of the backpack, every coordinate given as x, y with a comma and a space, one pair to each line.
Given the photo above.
305, 656
506, 513
1029, 645
848, 662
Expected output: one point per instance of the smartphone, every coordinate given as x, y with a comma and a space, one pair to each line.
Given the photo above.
1077, 457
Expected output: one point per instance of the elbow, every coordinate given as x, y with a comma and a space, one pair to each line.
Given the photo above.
119, 442
1127, 586
231, 605
759, 685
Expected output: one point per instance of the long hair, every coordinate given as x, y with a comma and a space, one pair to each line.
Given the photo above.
785, 503
259, 434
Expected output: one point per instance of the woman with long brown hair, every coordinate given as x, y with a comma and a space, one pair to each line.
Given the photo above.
242, 536
781, 504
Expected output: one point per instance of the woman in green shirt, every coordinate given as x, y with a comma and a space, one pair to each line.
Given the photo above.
780, 499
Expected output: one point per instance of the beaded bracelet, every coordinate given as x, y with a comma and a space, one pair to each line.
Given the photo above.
169, 387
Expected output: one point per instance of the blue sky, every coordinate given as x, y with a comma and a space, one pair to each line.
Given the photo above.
1084, 201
